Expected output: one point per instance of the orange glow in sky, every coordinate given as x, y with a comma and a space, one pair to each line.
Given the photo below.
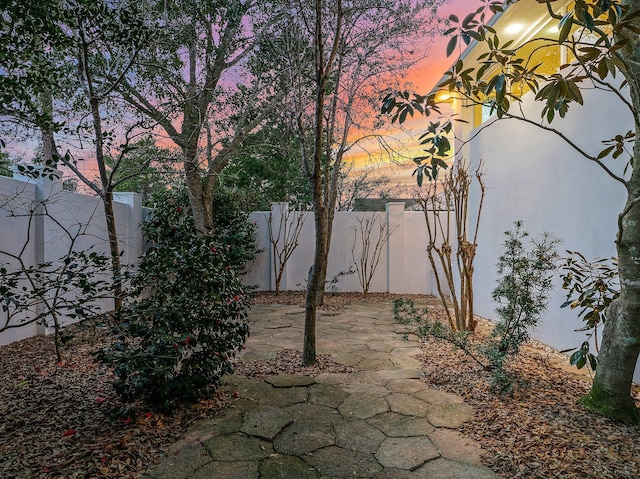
424, 77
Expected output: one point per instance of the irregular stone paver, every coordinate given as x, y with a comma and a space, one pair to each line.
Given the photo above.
383, 346
312, 413
289, 381
282, 397
338, 462
228, 470
407, 405
230, 422
406, 452
381, 422
303, 436
281, 466
235, 447
397, 425
374, 364
391, 473
406, 386
247, 388
446, 469
365, 389
363, 407
277, 326
435, 396
358, 435
257, 354
453, 445
334, 378
326, 395
383, 377
450, 415
181, 463
265, 422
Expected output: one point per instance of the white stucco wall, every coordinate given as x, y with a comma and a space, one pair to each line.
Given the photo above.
536, 177
15, 233
59, 211
403, 266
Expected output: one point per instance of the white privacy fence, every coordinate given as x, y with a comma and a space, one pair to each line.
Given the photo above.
403, 265
39, 220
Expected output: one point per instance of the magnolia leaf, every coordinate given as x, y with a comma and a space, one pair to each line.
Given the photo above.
451, 46
565, 27
576, 357
467, 20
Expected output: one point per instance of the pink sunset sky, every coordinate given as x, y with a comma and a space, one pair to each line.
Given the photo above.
429, 72
424, 77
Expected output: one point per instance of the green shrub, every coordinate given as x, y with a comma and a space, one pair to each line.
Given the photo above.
232, 226
524, 283
187, 317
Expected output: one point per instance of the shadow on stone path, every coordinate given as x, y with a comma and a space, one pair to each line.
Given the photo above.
381, 422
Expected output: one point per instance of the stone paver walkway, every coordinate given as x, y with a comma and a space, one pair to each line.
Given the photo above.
381, 422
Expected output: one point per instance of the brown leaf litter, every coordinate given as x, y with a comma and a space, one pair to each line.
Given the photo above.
57, 421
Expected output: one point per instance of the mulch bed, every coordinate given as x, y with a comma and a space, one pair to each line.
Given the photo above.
540, 430
62, 420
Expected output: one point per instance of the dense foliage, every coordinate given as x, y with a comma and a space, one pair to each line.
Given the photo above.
187, 317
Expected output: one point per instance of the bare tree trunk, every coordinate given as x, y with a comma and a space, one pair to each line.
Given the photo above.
107, 199
315, 286
49, 150
200, 198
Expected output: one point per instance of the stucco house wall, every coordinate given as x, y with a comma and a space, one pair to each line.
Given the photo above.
536, 177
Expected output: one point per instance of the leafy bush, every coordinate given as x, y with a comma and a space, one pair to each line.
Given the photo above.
524, 284
172, 222
591, 286
188, 316
522, 294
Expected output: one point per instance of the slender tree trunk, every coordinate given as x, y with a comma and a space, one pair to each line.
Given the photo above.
315, 286
49, 149
200, 199
107, 200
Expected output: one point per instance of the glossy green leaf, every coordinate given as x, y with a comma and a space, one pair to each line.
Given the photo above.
576, 357
451, 46
565, 27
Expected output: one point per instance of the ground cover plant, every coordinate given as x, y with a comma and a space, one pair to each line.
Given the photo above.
540, 430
